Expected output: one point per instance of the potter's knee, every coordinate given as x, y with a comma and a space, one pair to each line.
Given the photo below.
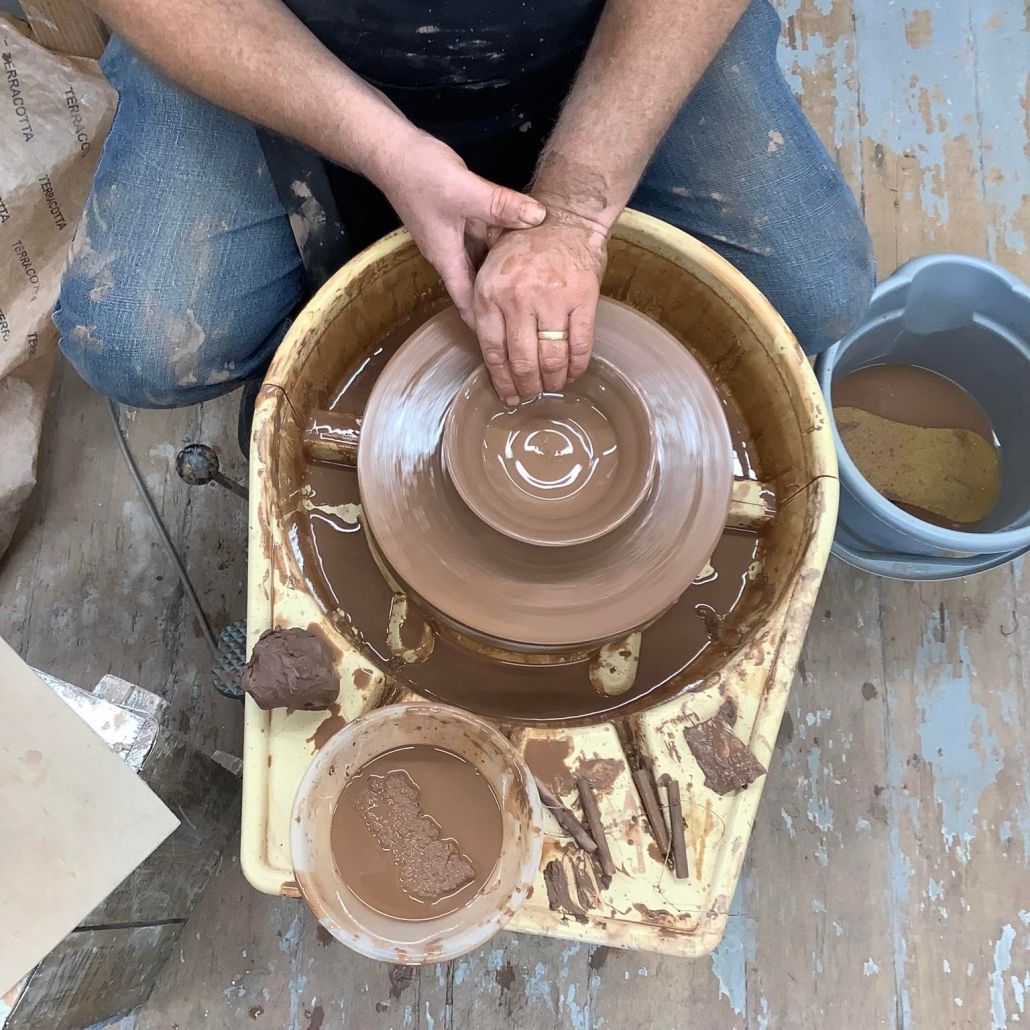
107, 343
829, 287
117, 368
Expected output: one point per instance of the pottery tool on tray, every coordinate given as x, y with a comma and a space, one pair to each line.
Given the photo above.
624, 646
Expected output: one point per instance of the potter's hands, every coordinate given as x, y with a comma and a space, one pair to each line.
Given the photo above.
547, 277
450, 211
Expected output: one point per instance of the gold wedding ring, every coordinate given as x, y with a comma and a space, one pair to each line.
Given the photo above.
553, 334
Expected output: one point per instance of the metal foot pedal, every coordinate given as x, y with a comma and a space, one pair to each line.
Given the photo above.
227, 672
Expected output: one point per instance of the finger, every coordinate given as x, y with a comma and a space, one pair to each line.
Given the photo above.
554, 364
455, 268
490, 330
498, 205
581, 338
523, 355
553, 355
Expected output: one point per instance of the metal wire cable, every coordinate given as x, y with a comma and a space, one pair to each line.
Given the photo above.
180, 568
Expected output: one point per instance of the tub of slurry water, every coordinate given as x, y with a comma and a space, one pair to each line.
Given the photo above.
969, 321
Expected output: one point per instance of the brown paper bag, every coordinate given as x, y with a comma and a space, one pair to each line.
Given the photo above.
54, 114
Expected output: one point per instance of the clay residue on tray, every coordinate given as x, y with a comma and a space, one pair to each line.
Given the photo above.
601, 773
727, 762
429, 866
585, 886
547, 758
327, 728
291, 668
559, 895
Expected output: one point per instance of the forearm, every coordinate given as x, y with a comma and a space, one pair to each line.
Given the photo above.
256, 58
643, 61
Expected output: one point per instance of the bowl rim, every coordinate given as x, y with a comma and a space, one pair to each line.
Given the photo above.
448, 447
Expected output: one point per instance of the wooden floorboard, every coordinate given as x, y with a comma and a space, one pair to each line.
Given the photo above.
87, 589
887, 880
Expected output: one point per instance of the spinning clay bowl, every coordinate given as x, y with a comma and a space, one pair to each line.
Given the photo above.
524, 502
783, 500
559, 470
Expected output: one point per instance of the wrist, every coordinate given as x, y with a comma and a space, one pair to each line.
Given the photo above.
390, 148
561, 211
576, 192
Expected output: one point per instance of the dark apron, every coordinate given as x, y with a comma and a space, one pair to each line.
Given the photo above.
485, 76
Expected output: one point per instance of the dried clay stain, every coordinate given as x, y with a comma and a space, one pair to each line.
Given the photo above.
327, 728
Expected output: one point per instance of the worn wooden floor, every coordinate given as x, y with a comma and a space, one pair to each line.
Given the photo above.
887, 882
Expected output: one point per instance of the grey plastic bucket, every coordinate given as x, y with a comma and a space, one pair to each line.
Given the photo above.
970, 321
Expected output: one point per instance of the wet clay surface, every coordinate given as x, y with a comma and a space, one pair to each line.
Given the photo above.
416, 833
921, 441
291, 668
676, 649
560, 469
505, 589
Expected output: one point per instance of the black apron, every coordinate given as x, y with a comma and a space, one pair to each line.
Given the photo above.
485, 76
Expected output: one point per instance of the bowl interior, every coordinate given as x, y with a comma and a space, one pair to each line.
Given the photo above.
561, 469
449, 935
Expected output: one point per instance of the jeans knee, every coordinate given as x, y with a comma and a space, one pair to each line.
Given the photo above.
829, 287
107, 337
114, 360
144, 341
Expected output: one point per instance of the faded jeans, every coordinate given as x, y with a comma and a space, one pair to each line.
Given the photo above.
185, 272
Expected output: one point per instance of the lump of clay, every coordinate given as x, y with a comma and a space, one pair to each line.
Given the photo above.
726, 761
291, 668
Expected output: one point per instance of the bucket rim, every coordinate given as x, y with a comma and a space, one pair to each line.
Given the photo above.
917, 568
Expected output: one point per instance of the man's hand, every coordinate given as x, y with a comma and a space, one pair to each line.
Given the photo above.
545, 278
450, 211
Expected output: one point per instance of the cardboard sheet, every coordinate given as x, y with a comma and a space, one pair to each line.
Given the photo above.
74, 821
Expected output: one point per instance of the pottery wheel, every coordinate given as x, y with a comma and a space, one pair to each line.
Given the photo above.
548, 597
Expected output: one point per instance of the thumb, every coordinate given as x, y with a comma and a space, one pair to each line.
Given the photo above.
508, 209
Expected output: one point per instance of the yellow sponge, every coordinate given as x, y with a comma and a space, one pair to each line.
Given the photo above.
952, 473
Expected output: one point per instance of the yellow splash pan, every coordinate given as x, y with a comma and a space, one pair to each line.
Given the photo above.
752, 356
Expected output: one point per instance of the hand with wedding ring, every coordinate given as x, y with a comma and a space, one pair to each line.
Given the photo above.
535, 301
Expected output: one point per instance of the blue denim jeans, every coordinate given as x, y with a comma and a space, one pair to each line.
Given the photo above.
185, 271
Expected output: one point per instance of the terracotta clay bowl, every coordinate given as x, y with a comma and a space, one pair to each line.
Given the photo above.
561, 469
498, 587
